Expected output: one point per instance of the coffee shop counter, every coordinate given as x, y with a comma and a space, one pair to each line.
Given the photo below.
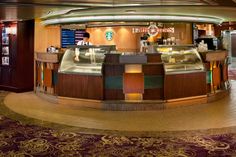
171, 74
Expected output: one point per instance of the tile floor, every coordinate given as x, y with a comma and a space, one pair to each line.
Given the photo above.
218, 114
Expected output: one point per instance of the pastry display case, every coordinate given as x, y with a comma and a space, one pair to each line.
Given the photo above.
85, 59
180, 59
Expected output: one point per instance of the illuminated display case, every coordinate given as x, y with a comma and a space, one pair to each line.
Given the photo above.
179, 59
85, 59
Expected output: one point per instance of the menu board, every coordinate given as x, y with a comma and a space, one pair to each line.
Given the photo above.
79, 35
67, 37
71, 37
5, 47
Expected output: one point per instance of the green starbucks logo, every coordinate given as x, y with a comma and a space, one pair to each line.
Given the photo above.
109, 35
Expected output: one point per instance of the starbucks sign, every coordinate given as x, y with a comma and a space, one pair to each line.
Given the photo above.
109, 35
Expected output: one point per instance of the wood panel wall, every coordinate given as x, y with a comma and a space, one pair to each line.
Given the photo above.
46, 36
126, 40
123, 38
25, 55
183, 32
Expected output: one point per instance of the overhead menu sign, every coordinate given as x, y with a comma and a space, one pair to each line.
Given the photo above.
67, 37
70, 37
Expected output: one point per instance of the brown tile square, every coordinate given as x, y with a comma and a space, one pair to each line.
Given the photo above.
133, 83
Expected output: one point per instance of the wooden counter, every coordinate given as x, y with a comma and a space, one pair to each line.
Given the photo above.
46, 67
123, 80
216, 64
219, 55
151, 76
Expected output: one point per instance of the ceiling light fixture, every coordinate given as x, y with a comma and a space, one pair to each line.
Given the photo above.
130, 11
125, 5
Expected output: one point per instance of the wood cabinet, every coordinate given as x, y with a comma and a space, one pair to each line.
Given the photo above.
17, 56
185, 85
46, 72
80, 86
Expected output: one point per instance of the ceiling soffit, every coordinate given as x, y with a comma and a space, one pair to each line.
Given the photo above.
89, 15
47, 9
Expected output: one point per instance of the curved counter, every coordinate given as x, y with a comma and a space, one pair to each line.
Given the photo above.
143, 81
46, 67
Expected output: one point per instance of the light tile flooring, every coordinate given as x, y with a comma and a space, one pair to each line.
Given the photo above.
205, 116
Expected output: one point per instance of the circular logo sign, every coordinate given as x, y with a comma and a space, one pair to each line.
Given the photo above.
152, 30
109, 35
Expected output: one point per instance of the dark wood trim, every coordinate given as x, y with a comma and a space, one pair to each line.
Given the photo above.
114, 94
154, 57
153, 94
153, 69
15, 89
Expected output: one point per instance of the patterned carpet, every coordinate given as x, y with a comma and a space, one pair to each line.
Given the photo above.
22, 136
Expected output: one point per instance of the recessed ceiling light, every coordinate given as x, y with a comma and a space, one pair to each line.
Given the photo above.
130, 11
127, 5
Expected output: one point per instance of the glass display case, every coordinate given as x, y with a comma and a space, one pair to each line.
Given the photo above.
85, 59
179, 59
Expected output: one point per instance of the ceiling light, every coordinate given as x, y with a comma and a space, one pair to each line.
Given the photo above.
127, 5
130, 11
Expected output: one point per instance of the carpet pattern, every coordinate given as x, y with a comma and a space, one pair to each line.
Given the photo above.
19, 138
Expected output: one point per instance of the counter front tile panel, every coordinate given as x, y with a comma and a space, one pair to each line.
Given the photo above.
113, 81
133, 83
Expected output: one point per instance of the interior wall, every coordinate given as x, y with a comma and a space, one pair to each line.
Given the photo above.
208, 28
183, 32
187, 29
123, 37
46, 36
126, 40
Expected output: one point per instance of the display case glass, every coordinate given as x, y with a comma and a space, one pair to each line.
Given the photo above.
85, 59
179, 59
